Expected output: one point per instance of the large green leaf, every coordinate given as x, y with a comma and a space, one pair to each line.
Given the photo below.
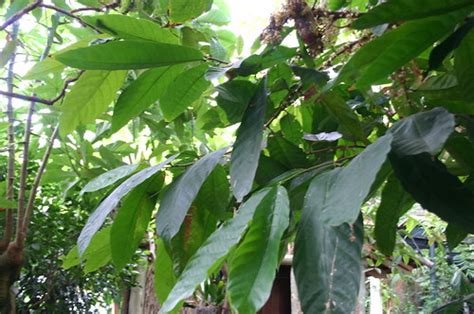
422, 132
248, 145
395, 202
352, 185
144, 91
216, 247
454, 235
402, 10
286, 152
343, 114
183, 91
214, 194
132, 220
164, 278
256, 260
435, 189
108, 178
100, 214
127, 27
183, 10
234, 97
127, 55
389, 52
464, 66
178, 198
88, 98
327, 259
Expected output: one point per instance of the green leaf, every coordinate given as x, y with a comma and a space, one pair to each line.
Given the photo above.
286, 153
248, 145
266, 59
395, 202
389, 52
256, 260
128, 55
7, 52
214, 194
454, 235
422, 132
89, 97
216, 247
144, 91
165, 278
234, 97
4, 203
132, 221
340, 111
461, 149
183, 91
435, 189
178, 198
108, 178
127, 27
183, 10
352, 185
327, 259
106, 206
464, 65
402, 10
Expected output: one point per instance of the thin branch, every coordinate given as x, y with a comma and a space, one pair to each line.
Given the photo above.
36, 183
345, 147
292, 96
18, 15
11, 145
71, 15
106, 7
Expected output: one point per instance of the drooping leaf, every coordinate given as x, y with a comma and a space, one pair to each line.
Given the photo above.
144, 91
402, 10
178, 198
214, 194
234, 97
164, 278
286, 152
441, 51
88, 98
464, 65
183, 91
248, 145
127, 27
435, 189
127, 55
184, 10
132, 221
389, 52
100, 214
327, 260
422, 132
108, 178
454, 235
349, 190
266, 59
255, 262
215, 247
395, 202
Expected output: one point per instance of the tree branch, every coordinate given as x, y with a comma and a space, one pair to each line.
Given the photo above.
11, 146
18, 15
292, 96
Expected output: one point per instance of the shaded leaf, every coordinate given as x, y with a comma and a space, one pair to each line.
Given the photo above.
327, 259
183, 10
454, 235
127, 55
234, 97
286, 152
165, 278
108, 178
248, 145
256, 260
100, 214
464, 66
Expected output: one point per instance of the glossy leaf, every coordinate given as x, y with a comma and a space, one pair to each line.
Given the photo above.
178, 198
256, 260
216, 247
127, 55
183, 91
422, 132
379, 58
349, 190
108, 178
184, 10
327, 260
89, 97
402, 10
98, 217
394, 203
144, 91
248, 145
127, 27
435, 189
132, 221
464, 66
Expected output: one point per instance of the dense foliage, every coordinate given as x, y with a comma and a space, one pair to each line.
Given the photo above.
219, 162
